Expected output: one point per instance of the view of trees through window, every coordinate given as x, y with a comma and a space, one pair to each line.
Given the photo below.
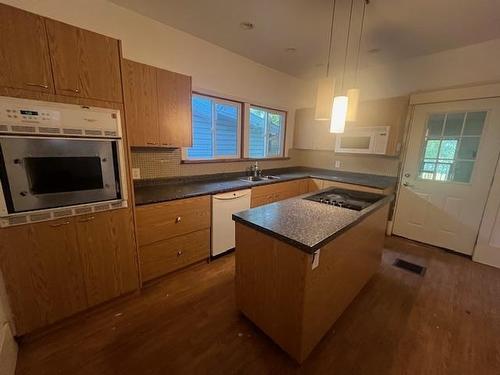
451, 146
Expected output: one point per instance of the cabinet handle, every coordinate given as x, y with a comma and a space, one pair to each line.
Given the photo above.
59, 224
72, 90
179, 253
90, 218
43, 86
177, 219
152, 143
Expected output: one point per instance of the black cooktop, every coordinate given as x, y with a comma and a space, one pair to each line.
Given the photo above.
350, 199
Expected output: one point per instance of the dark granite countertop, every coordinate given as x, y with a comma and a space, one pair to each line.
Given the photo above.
305, 224
167, 189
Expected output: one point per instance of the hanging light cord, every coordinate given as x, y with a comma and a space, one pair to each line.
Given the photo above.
330, 41
347, 46
365, 3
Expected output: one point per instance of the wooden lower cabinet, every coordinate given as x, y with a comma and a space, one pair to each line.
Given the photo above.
276, 192
165, 256
160, 221
57, 268
107, 247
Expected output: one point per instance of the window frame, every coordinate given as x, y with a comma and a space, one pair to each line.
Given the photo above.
239, 132
246, 132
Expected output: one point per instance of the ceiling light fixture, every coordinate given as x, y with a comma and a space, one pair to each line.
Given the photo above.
247, 25
324, 94
345, 105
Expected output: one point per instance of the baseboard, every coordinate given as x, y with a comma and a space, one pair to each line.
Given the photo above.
8, 351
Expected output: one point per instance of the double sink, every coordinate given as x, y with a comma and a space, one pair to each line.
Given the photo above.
259, 178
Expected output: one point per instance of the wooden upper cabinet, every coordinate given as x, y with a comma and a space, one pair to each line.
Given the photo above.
107, 246
41, 266
24, 52
84, 64
174, 103
141, 103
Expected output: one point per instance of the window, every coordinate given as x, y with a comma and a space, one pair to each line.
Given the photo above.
265, 133
216, 129
451, 146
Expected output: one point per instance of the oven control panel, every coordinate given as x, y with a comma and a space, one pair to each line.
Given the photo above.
23, 116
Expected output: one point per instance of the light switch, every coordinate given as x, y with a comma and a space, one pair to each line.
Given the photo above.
136, 173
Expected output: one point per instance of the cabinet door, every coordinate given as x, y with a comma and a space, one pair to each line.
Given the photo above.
107, 246
24, 52
141, 104
174, 103
85, 64
41, 266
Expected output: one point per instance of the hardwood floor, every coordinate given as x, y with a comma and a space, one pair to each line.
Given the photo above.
446, 322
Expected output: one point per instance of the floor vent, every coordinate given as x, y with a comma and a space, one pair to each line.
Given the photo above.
408, 266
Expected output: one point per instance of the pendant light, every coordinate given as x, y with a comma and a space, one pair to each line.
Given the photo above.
353, 93
324, 95
341, 102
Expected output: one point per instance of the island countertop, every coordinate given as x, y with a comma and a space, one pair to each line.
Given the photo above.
167, 189
305, 224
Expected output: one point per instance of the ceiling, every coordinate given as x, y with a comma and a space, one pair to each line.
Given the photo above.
394, 29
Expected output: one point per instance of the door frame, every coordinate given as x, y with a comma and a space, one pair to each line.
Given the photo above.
444, 95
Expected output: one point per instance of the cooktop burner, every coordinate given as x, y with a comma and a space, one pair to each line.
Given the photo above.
350, 199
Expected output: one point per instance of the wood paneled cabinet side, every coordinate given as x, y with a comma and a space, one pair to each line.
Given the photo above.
84, 64
24, 51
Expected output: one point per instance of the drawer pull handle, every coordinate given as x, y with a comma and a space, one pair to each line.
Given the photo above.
178, 219
72, 90
152, 143
43, 86
179, 253
59, 224
90, 218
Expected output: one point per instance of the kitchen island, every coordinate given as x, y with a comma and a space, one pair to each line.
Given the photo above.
300, 263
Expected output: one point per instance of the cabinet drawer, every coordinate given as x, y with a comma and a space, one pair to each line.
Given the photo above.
276, 192
165, 256
161, 221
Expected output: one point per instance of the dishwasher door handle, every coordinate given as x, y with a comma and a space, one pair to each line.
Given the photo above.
230, 198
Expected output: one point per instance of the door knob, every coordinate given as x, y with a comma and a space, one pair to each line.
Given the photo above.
407, 174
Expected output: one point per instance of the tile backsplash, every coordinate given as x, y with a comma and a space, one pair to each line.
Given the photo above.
160, 163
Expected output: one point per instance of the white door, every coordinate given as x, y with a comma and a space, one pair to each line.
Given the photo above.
488, 242
449, 166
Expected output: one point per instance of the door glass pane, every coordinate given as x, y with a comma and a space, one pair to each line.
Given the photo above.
435, 124
454, 123
463, 171
450, 149
432, 148
468, 148
474, 123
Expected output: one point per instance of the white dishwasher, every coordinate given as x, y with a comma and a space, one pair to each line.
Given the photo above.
223, 207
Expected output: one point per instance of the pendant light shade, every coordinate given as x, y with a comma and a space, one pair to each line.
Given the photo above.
339, 114
324, 98
352, 112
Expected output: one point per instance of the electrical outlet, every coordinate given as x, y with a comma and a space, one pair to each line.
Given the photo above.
338, 164
136, 173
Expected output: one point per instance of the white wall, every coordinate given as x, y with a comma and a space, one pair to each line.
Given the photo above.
472, 64
214, 69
